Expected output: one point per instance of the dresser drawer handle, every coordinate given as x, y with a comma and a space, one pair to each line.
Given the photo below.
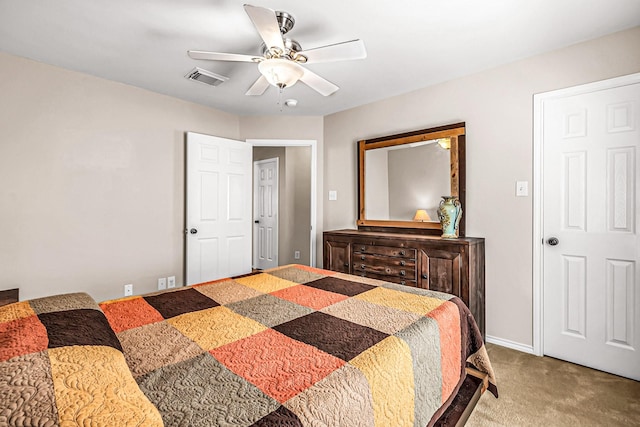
403, 273
363, 248
387, 270
346, 264
402, 263
362, 257
424, 276
403, 282
362, 266
402, 253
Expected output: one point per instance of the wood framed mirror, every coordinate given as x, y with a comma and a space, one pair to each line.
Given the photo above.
398, 175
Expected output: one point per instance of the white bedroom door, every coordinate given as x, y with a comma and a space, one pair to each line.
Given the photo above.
218, 217
590, 217
265, 213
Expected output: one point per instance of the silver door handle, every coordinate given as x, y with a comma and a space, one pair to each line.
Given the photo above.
553, 241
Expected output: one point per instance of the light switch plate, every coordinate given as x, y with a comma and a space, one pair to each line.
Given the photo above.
522, 188
333, 195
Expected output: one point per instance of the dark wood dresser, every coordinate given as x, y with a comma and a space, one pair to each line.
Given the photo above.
455, 266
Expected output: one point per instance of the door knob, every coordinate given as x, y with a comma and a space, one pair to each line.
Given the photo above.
257, 221
193, 231
553, 241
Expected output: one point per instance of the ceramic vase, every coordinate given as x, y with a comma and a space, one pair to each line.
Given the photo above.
449, 213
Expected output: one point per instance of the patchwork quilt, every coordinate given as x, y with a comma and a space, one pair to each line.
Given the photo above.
292, 346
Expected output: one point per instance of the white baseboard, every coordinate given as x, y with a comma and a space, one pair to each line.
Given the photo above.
510, 344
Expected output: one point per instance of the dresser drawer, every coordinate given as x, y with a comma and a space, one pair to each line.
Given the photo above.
385, 266
361, 248
359, 258
392, 279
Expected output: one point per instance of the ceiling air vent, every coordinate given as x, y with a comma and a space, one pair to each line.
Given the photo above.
206, 77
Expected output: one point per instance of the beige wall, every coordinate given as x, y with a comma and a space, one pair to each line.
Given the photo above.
298, 183
497, 106
91, 181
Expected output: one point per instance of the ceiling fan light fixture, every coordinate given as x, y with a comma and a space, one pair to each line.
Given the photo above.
280, 72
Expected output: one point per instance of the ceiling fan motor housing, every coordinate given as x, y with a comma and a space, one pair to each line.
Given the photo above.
285, 21
291, 49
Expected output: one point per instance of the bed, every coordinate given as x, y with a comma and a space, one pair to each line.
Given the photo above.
291, 346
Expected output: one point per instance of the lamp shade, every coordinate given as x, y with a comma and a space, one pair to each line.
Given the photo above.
421, 215
280, 72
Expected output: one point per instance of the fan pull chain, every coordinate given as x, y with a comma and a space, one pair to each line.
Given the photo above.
280, 90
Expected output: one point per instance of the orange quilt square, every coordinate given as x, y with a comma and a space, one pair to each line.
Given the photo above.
22, 336
448, 317
130, 313
309, 297
279, 366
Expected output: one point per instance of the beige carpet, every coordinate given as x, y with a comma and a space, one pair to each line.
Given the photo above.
542, 391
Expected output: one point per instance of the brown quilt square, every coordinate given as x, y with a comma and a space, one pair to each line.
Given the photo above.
337, 337
202, 392
74, 301
78, 327
26, 391
269, 310
281, 417
227, 291
295, 274
340, 286
150, 347
171, 304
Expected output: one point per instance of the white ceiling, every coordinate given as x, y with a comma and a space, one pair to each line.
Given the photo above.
411, 43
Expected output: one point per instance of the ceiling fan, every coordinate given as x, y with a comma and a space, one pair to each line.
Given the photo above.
281, 57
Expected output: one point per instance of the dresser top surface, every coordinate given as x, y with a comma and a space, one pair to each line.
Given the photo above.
402, 236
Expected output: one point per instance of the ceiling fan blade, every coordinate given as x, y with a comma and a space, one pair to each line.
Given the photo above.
258, 87
219, 56
353, 49
322, 86
266, 23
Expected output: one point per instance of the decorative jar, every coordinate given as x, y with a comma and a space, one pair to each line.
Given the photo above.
449, 213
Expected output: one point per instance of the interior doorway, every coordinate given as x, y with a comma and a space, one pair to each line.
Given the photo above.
297, 198
587, 148
217, 212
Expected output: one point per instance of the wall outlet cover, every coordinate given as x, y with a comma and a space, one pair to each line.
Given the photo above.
171, 283
162, 283
128, 290
296, 255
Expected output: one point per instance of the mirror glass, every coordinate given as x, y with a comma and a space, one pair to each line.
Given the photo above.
407, 178
402, 175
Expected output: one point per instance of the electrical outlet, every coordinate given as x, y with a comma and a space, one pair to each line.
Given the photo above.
172, 282
162, 283
296, 254
128, 290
